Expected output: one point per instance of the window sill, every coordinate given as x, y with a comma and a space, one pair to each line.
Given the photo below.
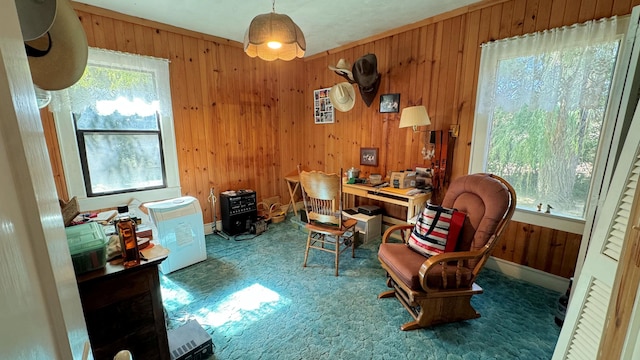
574, 226
112, 201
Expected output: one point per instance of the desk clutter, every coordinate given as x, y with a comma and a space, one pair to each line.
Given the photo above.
121, 238
420, 179
411, 198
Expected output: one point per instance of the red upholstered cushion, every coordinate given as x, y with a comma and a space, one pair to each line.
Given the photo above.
405, 263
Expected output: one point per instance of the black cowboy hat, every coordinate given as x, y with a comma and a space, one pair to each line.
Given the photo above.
365, 73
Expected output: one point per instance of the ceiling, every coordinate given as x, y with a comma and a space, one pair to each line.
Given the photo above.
326, 24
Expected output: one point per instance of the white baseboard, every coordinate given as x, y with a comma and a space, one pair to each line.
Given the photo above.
531, 275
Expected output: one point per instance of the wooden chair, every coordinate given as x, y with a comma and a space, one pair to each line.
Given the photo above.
438, 289
322, 196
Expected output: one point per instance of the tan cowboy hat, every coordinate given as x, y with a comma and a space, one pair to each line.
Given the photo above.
343, 68
342, 96
36, 17
58, 58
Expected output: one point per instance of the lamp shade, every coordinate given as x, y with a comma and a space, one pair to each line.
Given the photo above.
274, 36
414, 116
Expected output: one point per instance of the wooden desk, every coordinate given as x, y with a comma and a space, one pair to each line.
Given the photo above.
414, 203
123, 310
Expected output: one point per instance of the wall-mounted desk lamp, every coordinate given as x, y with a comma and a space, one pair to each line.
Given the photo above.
414, 116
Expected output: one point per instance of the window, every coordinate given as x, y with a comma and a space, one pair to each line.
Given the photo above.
116, 159
542, 101
116, 131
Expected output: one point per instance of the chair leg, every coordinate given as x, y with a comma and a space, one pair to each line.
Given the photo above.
411, 325
387, 294
337, 253
306, 250
353, 244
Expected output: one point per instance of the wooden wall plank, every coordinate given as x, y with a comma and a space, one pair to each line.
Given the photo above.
531, 11
558, 246
571, 13
603, 9
471, 60
621, 7
521, 243
51, 138
495, 22
557, 13
544, 15
518, 18
86, 21
196, 118
587, 10
571, 250
533, 232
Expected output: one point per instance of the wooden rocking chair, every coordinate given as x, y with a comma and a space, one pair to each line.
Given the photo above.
438, 289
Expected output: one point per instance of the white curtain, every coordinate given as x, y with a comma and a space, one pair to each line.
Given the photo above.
141, 94
541, 86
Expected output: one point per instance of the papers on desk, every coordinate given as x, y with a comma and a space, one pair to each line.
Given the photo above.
105, 215
154, 251
398, 191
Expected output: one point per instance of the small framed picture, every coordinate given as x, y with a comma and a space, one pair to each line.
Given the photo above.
369, 156
389, 103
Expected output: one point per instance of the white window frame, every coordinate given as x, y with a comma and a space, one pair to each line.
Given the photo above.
69, 146
480, 147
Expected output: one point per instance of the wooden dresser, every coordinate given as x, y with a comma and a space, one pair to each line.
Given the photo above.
123, 310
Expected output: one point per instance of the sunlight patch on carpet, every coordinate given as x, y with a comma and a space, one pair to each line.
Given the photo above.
173, 296
250, 304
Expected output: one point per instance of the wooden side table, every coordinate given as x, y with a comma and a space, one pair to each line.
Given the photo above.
292, 180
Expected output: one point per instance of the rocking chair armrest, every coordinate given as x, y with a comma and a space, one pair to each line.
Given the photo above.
445, 258
399, 227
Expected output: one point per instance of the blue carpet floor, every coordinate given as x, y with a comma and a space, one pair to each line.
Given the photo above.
257, 301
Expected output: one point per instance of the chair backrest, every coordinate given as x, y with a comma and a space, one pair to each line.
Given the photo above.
489, 202
322, 194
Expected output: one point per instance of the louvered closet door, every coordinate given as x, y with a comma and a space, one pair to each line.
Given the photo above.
582, 332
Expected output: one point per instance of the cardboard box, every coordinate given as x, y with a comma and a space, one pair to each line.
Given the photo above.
402, 180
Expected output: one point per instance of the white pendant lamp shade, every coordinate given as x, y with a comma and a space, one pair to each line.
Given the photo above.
274, 36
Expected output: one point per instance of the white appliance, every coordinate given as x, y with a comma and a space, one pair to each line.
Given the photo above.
177, 225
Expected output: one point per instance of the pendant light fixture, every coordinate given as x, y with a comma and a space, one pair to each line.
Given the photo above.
274, 36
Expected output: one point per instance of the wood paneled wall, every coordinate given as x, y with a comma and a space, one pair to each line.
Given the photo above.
435, 64
245, 123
